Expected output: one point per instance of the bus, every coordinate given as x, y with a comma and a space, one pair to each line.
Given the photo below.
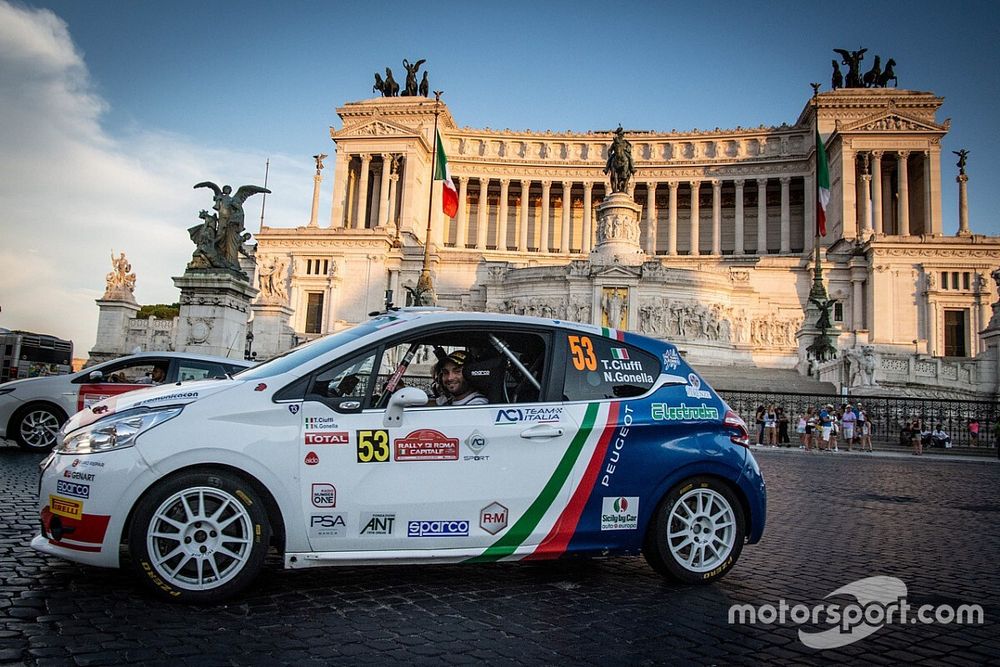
26, 355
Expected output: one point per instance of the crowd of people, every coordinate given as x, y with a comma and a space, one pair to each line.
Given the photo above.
820, 428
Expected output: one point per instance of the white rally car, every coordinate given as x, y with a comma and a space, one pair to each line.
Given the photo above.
33, 409
580, 440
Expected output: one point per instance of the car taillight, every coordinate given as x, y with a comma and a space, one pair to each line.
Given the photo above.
735, 423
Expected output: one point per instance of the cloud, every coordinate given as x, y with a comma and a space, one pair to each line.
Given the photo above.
72, 192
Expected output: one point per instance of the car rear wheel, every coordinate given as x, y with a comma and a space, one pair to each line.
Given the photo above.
36, 427
199, 537
698, 532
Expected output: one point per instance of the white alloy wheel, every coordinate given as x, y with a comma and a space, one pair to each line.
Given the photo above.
200, 538
701, 530
697, 532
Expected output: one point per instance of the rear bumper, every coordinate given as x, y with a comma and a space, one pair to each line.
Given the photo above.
754, 489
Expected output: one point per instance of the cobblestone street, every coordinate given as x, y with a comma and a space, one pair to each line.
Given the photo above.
833, 519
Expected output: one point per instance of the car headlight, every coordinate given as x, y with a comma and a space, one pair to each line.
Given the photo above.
115, 432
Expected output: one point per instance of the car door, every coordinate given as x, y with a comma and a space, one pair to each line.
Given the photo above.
446, 477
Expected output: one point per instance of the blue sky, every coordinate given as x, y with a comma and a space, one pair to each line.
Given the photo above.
119, 107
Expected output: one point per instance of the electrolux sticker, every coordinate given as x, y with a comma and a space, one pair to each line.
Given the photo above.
664, 412
621, 513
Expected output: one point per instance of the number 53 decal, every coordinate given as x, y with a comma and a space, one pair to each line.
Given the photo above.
583, 353
373, 446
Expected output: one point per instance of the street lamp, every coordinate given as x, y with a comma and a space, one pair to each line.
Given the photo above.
248, 353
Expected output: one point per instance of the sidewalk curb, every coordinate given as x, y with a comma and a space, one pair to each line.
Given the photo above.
876, 455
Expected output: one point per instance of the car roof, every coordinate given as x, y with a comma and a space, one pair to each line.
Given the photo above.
185, 355
429, 315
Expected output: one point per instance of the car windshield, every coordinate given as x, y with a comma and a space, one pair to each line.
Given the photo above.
313, 349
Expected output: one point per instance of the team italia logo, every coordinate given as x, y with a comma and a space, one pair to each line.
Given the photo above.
621, 504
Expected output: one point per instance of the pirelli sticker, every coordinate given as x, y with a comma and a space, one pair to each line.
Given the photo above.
71, 509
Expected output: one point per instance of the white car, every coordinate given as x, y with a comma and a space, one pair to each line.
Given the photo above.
544, 438
33, 409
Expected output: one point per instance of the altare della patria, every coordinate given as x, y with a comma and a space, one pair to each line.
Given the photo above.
704, 237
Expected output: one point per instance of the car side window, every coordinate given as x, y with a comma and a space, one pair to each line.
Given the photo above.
198, 370
343, 379
128, 373
600, 368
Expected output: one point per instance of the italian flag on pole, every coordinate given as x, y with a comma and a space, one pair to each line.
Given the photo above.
822, 185
449, 195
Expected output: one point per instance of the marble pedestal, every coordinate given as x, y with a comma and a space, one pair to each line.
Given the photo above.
272, 330
618, 232
112, 325
215, 305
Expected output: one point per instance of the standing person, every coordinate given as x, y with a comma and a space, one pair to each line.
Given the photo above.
865, 429
783, 427
825, 426
834, 428
812, 428
848, 421
974, 432
770, 426
759, 422
915, 437
800, 429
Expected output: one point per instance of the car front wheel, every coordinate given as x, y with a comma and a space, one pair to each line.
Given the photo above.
698, 532
199, 537
36, 427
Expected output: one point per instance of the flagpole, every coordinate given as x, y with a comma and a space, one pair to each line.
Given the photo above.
818, 288
424, 284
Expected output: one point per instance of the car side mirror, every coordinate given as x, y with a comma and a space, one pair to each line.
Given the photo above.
407, 397
95, 376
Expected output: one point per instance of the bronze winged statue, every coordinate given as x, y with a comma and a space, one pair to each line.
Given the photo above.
220, 237
853, 61
411, 76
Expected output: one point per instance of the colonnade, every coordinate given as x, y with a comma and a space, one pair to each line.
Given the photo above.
885, 180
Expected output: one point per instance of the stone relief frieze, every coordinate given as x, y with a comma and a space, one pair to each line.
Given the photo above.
574, 309
692, 321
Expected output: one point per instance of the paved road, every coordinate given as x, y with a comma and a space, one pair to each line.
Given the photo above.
833, 520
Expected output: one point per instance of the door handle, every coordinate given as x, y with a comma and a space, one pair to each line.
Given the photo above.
542, 431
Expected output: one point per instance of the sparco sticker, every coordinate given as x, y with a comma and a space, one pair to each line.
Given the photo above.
426, 445
620, 513
74, 489
454, 528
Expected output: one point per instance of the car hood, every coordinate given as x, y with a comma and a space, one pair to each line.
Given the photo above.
154, 397
35, 385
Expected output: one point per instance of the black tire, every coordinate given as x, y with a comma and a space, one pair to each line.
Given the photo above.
705, 548
35, 427
216, 556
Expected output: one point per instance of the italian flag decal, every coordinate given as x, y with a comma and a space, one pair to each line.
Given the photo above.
449, 195
619, 353
822, 185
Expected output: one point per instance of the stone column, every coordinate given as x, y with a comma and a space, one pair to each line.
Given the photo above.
543, 244
808, 213
928, 195
314, 213
588, 232
672, 220
786, 216
695, 218
903, 193
857, 304
739, 249
393, 185
352, 197
383, 192
374, 201
761, 216
359, 221
482, 217
651, 218
866, 212
340, 164
502, 214
963, 205
877, 192
522, 230
462, 223
567, 209
887, 204
716, 217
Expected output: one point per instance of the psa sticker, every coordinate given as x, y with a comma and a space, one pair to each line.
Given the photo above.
373, 446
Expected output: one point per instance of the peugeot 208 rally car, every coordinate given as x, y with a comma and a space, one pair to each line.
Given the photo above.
350, 449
